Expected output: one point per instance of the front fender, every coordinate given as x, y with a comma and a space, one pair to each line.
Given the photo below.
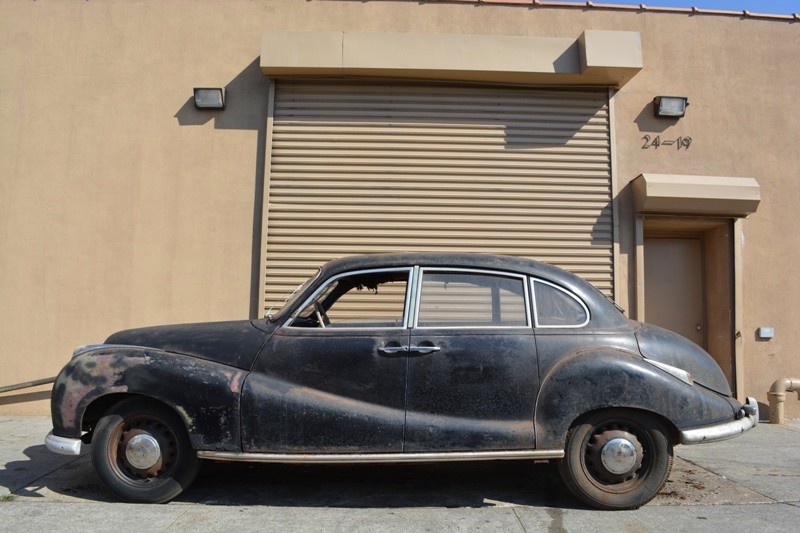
203, 393
599, 379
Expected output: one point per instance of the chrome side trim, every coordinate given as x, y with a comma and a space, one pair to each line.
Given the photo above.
726, 430
342, 458
62, 445
80, 350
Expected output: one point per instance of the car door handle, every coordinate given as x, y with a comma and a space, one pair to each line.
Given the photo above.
390, 349
423, 349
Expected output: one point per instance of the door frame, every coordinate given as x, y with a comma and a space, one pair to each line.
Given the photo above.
692, 226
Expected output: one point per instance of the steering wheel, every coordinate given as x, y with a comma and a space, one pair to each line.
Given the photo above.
322, 317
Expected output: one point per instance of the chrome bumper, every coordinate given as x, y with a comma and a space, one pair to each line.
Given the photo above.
62, 445
748, 419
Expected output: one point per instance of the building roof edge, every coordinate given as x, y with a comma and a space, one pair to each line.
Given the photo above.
744, 14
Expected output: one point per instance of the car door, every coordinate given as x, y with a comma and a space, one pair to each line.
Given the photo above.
332, 379
472, 373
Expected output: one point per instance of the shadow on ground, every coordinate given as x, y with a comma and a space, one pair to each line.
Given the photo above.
448, 485
443, 485
49, 476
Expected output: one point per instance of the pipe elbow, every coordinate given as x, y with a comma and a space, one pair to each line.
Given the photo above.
777, 397
786, 385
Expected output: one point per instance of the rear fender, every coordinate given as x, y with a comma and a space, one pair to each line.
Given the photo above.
204, 394
601, 379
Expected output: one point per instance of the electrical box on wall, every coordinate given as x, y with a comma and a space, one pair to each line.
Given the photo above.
765, 332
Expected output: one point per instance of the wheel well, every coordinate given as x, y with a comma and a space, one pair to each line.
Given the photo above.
95, 410
673, 432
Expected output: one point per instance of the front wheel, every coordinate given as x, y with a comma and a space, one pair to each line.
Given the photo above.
142, 453
617, 459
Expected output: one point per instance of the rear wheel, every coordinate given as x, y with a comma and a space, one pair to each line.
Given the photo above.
142, 453
617, 459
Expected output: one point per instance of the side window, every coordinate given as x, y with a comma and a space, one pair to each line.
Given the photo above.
372, 299
555, 307
471, 299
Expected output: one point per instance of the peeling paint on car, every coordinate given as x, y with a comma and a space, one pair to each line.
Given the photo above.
202, 392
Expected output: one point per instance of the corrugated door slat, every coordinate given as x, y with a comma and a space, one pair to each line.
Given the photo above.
368, 168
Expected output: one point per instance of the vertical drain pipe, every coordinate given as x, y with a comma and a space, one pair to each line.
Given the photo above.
777, 396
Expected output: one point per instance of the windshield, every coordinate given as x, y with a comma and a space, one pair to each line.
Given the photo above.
291, 298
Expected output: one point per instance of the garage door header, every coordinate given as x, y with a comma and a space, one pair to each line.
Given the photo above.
602, 58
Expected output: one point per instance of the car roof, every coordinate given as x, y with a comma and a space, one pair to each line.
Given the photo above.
433, 259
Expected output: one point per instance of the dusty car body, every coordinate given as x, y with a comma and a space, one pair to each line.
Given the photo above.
402, 358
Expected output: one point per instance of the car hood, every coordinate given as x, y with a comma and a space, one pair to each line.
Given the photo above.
231, 343
664, 346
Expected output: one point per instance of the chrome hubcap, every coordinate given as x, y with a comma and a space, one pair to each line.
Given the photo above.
142, 451
618, 456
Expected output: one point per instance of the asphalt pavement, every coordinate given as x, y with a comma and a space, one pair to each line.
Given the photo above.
750, 483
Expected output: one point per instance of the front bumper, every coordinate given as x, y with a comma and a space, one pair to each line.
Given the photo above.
747, 419
62, 445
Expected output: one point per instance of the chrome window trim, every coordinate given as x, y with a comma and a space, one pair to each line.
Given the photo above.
565, 291
414, 300
420, 277
332, 279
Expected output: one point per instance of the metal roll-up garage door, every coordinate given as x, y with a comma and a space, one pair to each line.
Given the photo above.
371, 167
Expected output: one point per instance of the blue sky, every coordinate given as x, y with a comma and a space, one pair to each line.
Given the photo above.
780, 7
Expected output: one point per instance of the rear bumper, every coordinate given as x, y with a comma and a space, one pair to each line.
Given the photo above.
747, 419
62, 445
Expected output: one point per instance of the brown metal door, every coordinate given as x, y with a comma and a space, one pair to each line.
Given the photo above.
673, 273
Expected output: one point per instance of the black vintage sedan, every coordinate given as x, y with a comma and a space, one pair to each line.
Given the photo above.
402, 358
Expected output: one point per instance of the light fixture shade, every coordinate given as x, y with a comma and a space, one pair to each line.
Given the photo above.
670, 106
209, 97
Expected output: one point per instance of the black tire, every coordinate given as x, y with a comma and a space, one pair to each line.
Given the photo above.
584, 470
177, 464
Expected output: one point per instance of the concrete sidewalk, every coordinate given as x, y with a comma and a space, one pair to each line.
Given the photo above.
751, 483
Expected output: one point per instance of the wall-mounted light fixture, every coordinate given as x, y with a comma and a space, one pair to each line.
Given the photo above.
670, 106
209, 97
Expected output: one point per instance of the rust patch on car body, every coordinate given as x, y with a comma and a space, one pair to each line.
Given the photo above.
205, 394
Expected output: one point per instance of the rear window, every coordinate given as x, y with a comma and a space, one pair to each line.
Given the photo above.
555, 307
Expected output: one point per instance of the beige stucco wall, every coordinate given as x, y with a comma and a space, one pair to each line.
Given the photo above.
121, 206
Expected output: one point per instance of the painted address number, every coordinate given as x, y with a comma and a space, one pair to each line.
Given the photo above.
680, 142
